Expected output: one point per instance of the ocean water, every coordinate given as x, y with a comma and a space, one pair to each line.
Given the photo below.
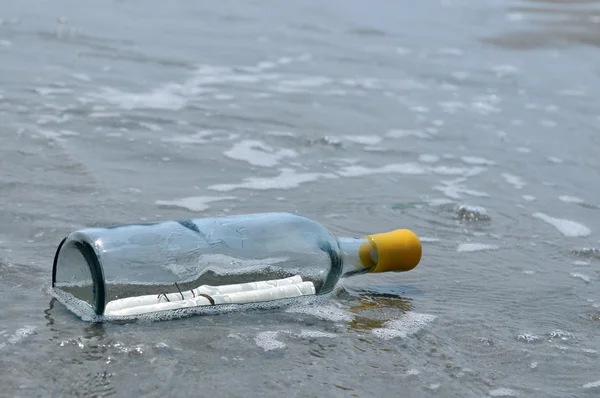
473, 123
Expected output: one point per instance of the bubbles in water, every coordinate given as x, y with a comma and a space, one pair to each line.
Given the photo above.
427, 239
363, 139
473, 247
268, 341
528, 272
327, 312
594, 384
559, 334
589, 252
581, 276
18, 336
533, 365
410, 323
528, 338
581, 263
472, 213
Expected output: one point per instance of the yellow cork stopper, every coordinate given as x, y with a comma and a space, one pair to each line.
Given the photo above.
394, 251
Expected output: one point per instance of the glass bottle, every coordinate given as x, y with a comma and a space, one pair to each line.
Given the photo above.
209, 261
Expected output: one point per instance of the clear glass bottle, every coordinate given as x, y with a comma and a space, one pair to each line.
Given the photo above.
104, 267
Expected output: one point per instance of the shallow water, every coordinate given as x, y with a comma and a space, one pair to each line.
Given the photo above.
366, 117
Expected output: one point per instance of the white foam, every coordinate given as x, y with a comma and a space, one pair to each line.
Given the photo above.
57, 135
412, 372
426, 239
503, 392
316, 334
257, 153
327, 312
268, 341
580, 263
581, 276
570, 199
159, 98
555, 160
529, 198
474, 247
453, 189
363, 139
473, 160
523, 149
398, 133
175, 96
533, 365
566, 227
458, 171
409, 324
200, 137
528, 338
594, 384
513, 180
287, 179
18, 336
398, 168
425, 158
195, 203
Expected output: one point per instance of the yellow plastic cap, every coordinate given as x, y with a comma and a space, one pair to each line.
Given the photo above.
396, 251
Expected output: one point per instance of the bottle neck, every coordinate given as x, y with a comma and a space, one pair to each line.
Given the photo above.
359, 255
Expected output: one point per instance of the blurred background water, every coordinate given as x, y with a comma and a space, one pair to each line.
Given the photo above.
473, 123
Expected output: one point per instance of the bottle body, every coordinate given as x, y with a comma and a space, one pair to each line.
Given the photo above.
100, 265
